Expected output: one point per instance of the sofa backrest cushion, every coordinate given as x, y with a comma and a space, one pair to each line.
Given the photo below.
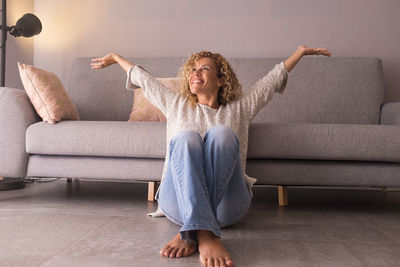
319, 90
101, 94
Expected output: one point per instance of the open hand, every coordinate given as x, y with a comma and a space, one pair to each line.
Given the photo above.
102, 62
314, 51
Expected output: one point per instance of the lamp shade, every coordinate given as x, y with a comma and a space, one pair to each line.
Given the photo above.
27, 26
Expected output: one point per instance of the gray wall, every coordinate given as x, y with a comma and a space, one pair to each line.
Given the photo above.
17, 49
269, 28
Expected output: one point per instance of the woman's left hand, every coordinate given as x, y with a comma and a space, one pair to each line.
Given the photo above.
314, 51
301, 51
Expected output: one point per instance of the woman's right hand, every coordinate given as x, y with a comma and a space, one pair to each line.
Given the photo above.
102, 62
107, 60
314, 51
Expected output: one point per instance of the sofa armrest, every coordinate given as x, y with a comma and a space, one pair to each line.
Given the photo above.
390, 113
16, 114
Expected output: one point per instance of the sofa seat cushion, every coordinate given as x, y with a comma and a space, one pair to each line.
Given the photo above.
98, 138
325, 142
266, 140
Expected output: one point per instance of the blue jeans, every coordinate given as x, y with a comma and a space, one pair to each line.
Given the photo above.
204, 187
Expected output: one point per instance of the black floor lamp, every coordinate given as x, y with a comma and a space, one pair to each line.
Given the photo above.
27, 26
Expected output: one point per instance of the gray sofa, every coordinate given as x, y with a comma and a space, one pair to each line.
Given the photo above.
330, 128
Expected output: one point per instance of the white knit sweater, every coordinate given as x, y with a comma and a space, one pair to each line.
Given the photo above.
180, 115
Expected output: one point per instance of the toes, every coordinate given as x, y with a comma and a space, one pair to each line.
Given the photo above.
229, 262
167, 251
173, 253
210, 262
176, 252
203, 260
222, 263
163, 250
180, 253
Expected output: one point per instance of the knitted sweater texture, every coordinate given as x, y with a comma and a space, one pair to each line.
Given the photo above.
236, 115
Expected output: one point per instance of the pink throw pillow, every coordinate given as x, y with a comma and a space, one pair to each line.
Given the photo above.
47, 94
143, 110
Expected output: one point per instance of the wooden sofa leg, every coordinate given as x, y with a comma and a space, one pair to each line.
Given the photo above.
283, 195
69, 180
152, 189
384, 189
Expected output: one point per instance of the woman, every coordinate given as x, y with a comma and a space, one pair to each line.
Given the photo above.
204, 186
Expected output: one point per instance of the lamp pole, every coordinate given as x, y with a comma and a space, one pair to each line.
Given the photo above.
28, 25
3, 41
5, 183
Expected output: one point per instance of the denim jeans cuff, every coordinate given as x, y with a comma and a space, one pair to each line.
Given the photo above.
189, 227
190, 237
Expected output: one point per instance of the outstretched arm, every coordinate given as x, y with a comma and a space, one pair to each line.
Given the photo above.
302, 51
137, 77
102, 62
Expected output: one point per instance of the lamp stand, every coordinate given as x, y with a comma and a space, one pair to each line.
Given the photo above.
3, 41
6, 183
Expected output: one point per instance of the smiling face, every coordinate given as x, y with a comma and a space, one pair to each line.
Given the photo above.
208, 78
203, 78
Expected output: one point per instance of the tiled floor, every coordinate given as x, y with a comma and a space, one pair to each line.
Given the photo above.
88, 223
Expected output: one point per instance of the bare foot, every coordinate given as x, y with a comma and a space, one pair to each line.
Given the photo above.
212, 251
177, 248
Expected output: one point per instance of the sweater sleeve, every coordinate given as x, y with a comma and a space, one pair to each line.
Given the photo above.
262, 91
153, 90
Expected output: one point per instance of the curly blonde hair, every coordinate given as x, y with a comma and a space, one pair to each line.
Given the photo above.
231, 89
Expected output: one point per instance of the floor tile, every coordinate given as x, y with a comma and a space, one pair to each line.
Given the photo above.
97, 223
328, 254
375, 255
264, 252
33, 237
